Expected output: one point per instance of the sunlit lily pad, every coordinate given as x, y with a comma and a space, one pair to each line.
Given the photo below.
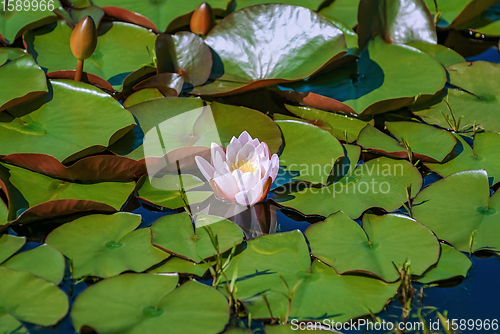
488, 23
424, 141
9, 245
311, 4
459, 209
398, 22
63, 128
383, 244
374, 83
455, 12
341, 126
312, 153
378, 183
122, 49
178, 265
481, 156
344, 10
441, 53
143, 95
106, 245
43, 261
175, 233
150, 303
35, 196
311, 42
452, 264
30, 299
14, 22
478, 104
166, 191
22, 79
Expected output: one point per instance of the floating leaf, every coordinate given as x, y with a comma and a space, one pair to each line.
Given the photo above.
378, 183
121, 41
35, 196
22, 80
451, 264
481, 156
311, 42
106, 245
441, 53
374, 84
339, 125
313, 153
143, 95
175, 234
53, 128
426, 142
455, 12
148, 303
14, 22
166, 191
478, 104
311, 4
9, 245
178, 265
185, 54
4, 211
488, 23
27, 298
396, 21
381, 247
169, 84
458, 209
344, 10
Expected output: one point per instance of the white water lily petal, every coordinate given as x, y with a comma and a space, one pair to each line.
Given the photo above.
205, 167
232, 150
220, 164
244, 138
227, 184
246, 152
246, 198
214, 148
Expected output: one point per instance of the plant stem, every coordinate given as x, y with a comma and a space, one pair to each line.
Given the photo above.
79, 70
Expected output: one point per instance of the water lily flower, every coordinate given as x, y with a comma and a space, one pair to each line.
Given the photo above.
242, 173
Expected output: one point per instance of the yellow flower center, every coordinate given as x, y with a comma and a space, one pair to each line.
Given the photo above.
245, 167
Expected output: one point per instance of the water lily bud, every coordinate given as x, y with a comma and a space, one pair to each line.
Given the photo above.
84, 39
202, 20
243, 173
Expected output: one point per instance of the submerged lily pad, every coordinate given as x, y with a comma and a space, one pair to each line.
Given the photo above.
478, 104
122, 49
374, 84
175, 233
22, 79
311, 42
35, 196
106, 245
378, 183
459, 209
341, 126
66, 133
451, 264
383, 244
424, 141
483, 155
150, 303
312, 153
27, 298
14, 22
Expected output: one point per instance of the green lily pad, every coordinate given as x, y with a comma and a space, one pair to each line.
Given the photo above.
309, 150
161, 12
441, 53
35, 196
452, 264
175, 234
259, 30
374, 83
9, 245
43, 261
9, 324
178, 265
128, 43
382, 245
143, 95
311, 4
487, 23
397, 22
341, 126
106, 245
150, 303
458, 209
166, 191
184, 53
344, 10
479, 104
22, 79
66, 133
14, 22
30, 299
7, 54
425, 142
455, 12
378, 183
